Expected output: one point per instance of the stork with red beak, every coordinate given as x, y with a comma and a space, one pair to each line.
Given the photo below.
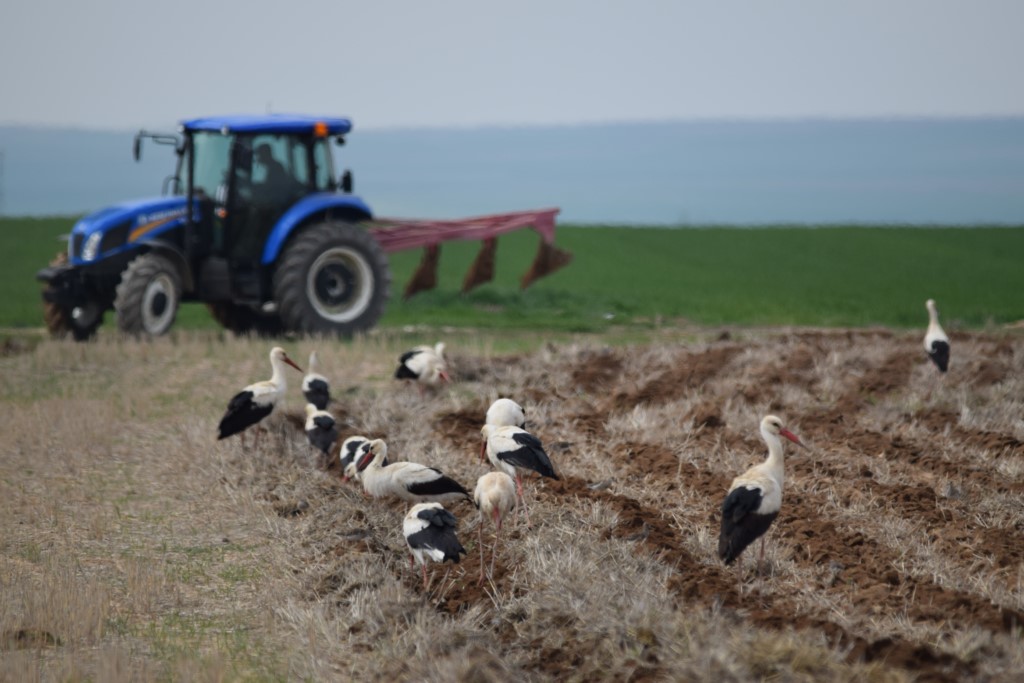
755, 497
425, 365
409, 481
495, 497
256, 401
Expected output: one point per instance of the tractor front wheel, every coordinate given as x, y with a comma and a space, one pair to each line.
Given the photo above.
81, 322
333, 278
148, 296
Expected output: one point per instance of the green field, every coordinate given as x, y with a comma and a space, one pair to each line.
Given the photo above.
832, 276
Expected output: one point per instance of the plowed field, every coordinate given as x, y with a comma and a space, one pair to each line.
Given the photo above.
898, 553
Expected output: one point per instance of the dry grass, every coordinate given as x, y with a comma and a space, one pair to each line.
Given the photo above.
137, 547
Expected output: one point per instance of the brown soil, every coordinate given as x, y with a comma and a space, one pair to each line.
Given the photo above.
868, 451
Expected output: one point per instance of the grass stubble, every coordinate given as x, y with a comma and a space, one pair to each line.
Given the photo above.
137, 547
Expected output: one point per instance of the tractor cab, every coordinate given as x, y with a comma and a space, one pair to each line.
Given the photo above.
242, 174
246, 182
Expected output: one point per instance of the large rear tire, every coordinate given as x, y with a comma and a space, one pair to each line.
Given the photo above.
148, 296
244, 320
333, 278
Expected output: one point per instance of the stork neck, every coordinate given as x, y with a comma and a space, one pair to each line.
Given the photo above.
375, 461
277, 378
775, 459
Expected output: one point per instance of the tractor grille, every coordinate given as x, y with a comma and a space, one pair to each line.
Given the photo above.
115, 237
76, 246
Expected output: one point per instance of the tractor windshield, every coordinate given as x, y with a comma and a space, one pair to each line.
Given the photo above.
211, 155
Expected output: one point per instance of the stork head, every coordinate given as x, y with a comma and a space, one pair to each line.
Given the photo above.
369, 452
277, 355
507, 412
772, 425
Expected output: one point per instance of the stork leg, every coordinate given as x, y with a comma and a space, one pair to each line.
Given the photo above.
497, 532
424, 577
760, 558
739, 575
522, 499
480, 542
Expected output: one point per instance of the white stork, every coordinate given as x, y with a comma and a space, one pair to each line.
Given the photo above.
936, 343
256, 401
430, 533
315, 386
755, 497
506, 413
511, 449
347, 456
321, 430
405, 480
495, 497
424, 365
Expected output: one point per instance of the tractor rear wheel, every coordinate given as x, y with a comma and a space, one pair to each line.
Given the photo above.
243, 320
333, 278
148, 296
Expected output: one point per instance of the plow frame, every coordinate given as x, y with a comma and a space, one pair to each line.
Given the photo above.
397, 234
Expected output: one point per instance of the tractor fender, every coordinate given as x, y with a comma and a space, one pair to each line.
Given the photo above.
172, 253
326, 204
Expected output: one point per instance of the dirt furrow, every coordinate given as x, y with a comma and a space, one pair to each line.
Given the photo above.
708, 586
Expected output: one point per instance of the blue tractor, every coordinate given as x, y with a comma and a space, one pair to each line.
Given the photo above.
254, 223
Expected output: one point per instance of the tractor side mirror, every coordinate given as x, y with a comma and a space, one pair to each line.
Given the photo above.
346, 182
339, 140
137, 146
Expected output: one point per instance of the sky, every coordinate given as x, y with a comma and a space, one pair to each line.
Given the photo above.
126, 64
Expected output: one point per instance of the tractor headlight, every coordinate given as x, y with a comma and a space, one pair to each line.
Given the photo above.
92, 246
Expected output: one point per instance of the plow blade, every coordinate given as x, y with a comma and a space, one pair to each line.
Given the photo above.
425, 277
549, 259
399, 235
482, 269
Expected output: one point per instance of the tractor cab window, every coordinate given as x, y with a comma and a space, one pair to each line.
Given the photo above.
323, 169
211, 154
274, 168
300, 163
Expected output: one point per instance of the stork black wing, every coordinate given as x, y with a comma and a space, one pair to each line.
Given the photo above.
940, 355
324, 421
318, 392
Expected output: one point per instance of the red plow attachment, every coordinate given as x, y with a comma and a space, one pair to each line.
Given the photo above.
399, 235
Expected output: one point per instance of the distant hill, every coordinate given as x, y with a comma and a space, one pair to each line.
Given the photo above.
934, 171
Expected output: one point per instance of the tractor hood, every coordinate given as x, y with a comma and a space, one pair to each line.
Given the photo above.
115, 228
